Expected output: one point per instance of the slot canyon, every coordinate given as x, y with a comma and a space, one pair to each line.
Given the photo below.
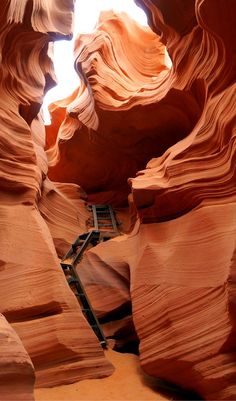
157, 144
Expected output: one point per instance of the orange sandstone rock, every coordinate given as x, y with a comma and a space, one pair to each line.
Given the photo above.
34, 294
176, 270
182, 266
16, 369
182, 293
121, 66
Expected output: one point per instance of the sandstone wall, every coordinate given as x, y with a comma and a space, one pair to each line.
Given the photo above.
34, 294
16, 370
177, 268
176, 271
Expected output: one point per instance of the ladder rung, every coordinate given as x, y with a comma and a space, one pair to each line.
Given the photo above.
104, 225
104, 217
72, 280
65, 266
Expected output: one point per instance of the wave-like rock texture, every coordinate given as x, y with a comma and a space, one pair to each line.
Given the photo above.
176, 275
194, 259
16, 370
34, 295
121, 66
201, 166
181, 267
179, 277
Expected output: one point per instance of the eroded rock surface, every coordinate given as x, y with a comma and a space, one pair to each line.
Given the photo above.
171, 281
16, 370
34, 295
114, 119
182, 294
178, 267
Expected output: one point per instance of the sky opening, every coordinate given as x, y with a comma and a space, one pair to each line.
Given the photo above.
86, 16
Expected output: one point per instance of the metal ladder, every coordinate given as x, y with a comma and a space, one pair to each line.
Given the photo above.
103, 219
68, 264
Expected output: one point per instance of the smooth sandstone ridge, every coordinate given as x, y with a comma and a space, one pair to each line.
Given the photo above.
35, 297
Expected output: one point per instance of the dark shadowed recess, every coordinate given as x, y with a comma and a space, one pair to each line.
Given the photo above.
124, 143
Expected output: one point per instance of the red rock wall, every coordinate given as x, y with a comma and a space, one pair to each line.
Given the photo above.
121, 65
200, 168
178, 268
16, 369
179, 276
194, 256
34, 295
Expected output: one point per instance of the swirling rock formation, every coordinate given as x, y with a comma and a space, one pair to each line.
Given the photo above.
34, 294
15, 367
182, 296
121, 65
171, 281
200, 167
178, 268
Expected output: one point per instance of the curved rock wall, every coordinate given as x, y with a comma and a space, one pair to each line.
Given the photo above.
200, 168
178, 268
176, 271
34, 294
121, 65
15, 367
179, 277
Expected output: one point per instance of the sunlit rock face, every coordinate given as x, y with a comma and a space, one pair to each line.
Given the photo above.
16, 369
34, 295
177, 268
114, 119
175, 272
199, 168
191, 259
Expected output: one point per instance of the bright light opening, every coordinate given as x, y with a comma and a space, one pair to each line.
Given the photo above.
87, 13
86, 16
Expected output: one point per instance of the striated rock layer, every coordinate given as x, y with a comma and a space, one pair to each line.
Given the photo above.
171, 281
34, 294
176, 270
201, 166
16, 369
182, 294
113, 120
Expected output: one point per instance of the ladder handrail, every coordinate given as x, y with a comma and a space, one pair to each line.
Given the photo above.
88, 238
70, 266
95, 218
86, 242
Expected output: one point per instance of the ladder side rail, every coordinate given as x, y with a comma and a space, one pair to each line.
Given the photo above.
86, 306
73, 247
113, 219
95, 218
86, 303
69, 253
85, 244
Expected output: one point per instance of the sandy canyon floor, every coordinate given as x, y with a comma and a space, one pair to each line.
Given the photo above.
128, 382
